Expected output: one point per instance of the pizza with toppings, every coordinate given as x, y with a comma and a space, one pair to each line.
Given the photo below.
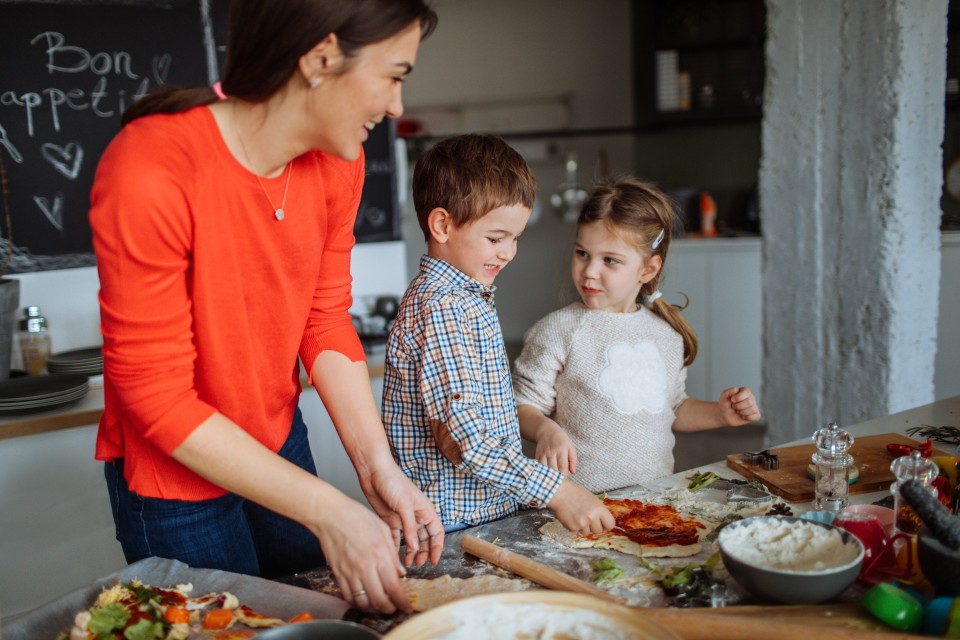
137, 611
642, 529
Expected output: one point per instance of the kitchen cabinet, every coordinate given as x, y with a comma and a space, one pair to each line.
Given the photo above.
57, 532
698, 61
722, 279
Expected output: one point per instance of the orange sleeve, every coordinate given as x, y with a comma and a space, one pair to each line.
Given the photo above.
142, 235
329, 326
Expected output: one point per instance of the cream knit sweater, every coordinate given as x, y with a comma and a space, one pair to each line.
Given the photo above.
612, 381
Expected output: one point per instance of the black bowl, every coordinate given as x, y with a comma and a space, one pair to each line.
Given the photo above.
940, 564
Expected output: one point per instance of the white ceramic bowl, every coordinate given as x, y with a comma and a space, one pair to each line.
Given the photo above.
790, 586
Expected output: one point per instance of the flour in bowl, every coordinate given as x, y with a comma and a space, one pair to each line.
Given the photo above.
785, 545
511, 621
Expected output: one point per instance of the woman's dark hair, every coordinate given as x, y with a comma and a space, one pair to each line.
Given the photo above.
266, 39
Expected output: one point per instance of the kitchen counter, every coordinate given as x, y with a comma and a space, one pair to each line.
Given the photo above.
89, 408
520, 533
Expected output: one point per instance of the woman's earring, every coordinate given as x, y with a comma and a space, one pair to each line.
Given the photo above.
315, 83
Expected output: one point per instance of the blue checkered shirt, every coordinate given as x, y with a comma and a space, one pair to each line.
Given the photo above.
448, 403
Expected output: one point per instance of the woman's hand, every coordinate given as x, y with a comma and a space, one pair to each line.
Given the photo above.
362, 554
738, 406
555, 449
405, 509
579, 510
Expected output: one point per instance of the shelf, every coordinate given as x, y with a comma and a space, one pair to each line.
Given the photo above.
707, 55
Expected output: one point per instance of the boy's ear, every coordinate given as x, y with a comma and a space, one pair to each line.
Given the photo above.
651, 269
439, 222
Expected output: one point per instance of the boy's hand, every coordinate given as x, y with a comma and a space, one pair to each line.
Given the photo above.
579, 510
738, 406
555, 449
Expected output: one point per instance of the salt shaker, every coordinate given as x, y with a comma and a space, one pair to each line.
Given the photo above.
832, 482
911, 467
34, 341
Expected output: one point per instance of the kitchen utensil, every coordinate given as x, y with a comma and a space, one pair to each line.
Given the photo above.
532, 614
939, 563
530, 569
788, 586
883, 514
321, 630
567, 201
791, 482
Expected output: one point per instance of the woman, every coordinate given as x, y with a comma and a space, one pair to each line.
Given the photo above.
223, 231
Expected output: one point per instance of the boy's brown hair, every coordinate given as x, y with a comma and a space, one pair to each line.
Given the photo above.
470, 176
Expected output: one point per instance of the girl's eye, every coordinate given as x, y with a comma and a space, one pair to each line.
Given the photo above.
494, 240
580, 253
611, 261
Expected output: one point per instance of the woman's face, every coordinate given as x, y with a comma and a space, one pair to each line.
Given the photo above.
365, 92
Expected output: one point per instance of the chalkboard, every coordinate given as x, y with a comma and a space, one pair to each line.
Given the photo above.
67, 72
378, 218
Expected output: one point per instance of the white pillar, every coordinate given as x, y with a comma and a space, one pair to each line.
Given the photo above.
850, 184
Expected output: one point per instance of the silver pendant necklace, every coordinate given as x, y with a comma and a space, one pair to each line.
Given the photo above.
278, 212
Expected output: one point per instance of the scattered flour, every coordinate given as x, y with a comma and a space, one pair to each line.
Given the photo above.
511, 621
787, 545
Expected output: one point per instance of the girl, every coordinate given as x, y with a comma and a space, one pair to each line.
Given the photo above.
223, 227
600, 383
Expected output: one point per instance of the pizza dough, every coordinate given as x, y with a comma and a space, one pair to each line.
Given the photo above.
428, 594
560, 534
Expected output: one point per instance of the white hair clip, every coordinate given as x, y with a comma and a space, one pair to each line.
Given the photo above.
650, 299
656, 243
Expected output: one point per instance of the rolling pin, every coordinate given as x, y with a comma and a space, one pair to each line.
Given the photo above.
700, 624
531, 569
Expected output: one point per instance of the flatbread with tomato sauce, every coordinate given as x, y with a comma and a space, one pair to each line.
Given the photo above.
643, 529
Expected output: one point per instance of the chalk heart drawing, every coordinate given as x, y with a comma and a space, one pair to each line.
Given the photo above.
635, 378
161, 68
66, 159
52, 210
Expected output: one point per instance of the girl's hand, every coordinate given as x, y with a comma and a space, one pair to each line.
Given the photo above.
555, 449
579, 510
363, 557
405, 509
738, 406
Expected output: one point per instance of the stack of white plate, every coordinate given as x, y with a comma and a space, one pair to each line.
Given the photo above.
40, 393
88, 361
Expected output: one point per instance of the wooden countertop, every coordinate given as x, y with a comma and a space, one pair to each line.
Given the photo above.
89, 408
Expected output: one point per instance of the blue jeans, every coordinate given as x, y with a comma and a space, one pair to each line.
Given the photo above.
228, 533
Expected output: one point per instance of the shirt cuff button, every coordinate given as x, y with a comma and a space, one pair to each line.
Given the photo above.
456, 396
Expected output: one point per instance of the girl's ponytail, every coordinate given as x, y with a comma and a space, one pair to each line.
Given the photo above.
670, 313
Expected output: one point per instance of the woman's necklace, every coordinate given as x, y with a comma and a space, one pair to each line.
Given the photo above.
288, 169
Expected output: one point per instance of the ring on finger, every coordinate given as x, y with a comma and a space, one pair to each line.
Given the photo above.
359, 592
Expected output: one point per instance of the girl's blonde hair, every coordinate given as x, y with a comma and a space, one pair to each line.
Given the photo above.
640, 213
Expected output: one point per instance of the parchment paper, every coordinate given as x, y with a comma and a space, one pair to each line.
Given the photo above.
264, 596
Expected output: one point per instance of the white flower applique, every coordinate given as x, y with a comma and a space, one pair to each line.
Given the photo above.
635, 378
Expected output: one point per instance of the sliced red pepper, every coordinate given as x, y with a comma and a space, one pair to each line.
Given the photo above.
944, 490
898, 450
925, 448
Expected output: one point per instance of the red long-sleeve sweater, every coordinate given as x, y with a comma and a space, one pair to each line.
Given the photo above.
206, 300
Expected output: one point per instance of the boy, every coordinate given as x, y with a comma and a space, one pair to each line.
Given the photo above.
448, 403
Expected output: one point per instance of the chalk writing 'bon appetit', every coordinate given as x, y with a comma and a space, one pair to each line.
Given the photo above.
100, 99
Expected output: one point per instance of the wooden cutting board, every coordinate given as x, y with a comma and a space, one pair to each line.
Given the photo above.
792, 483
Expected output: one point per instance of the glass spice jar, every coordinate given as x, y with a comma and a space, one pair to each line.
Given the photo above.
832, 468
911, 467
